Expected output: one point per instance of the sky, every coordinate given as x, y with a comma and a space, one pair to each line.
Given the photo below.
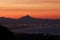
36, 8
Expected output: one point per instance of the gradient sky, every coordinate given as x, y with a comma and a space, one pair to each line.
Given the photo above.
35, 8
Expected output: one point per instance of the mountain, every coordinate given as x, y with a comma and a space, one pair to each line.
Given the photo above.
29, 20
26, 17
32, 22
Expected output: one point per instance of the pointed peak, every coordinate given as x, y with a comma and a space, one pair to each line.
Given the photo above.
27, 16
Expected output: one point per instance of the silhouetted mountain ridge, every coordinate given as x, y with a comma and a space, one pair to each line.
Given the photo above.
28, 19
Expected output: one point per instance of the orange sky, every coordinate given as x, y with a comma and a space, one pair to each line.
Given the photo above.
34, 8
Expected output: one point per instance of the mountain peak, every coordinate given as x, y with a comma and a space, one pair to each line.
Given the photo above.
26, 17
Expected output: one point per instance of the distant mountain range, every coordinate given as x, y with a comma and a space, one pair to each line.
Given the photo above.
29, 20
52, 26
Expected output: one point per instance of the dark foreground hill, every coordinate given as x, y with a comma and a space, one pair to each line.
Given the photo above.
5, 33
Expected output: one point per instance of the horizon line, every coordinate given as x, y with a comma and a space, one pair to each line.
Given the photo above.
24, 16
